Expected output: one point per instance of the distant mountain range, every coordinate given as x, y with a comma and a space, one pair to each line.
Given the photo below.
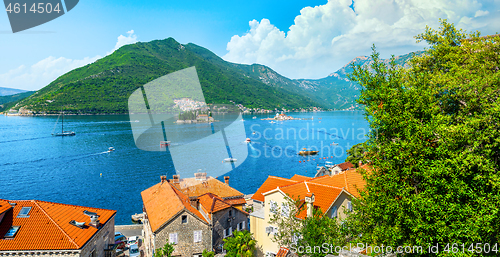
105, 85
10, 91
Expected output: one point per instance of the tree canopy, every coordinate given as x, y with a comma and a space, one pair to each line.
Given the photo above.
434, 145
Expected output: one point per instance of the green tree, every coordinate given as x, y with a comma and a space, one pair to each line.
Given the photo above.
207, 253
241, 244
356, 154
288, 226
434, 144
166, 251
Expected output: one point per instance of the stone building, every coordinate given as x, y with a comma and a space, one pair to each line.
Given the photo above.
39, 228
195, 214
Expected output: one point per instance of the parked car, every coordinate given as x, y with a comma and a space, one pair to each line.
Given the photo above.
118, 233
120, 238
132, 241
134, 251
120, 252
120, 245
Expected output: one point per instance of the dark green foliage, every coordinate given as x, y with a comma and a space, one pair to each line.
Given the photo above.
435, 145
356, 154
241, 244
166, 251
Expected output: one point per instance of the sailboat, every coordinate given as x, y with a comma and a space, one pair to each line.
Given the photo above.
63, 133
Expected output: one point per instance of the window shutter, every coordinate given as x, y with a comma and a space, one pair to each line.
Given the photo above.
230, 231
243, 226
334, 212
225, 234
175, 236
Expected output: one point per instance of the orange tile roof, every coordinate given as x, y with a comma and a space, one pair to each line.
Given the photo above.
324, 194
271, 183
236, 201
193, 188
212, 203
297, 177
163, 201
351, 180
4, 206
48, 227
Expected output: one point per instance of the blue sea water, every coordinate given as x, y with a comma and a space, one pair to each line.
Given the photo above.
78, 170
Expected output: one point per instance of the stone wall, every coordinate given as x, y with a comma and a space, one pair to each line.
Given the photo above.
185, 235
221, 221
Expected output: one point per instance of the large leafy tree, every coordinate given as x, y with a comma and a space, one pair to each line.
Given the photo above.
434, 145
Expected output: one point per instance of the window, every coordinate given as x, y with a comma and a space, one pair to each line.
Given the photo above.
197, 236
273, 206
172, 238
12, 231
24, 212
228, 232
296, 237
184, 219
285, 210
334, 212
241, 226
230, 213
349, 205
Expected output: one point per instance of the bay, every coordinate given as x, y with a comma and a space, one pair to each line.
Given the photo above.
78, 170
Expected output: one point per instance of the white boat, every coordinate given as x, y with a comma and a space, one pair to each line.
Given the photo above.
248, 140
63, 133
254, 117
272, 122
111, 149
230, 159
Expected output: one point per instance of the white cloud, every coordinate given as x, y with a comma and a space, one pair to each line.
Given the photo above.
47, 70
326, 37
124, 40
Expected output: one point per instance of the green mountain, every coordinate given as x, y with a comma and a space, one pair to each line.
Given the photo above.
105, 85
10, 91
8, 101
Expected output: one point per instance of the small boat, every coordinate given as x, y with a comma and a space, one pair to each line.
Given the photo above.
333, 143
242, 120
248, 140
111, 149
63, 133
230, 159
138, 217
308, 152
164, 143
253, 133
272, 122
254, 117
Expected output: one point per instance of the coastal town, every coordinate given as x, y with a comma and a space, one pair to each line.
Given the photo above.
194, 215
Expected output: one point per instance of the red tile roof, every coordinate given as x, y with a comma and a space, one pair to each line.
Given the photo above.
163, 201
48, 226
271, 183
345, 165
4, 206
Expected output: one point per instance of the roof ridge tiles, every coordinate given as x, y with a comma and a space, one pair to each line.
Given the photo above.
55, 223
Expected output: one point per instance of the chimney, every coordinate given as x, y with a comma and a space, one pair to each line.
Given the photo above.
163, 179
226, 180
310, 207
194, 203
176, 178
94, 219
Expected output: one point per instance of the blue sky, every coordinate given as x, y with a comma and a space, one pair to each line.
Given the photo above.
296, 39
